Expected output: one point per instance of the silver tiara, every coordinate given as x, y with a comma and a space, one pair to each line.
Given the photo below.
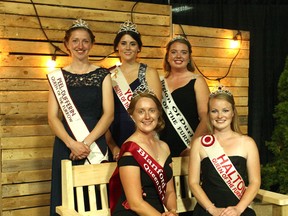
221, 90
79, 23
142, 91
128, 26
179, 37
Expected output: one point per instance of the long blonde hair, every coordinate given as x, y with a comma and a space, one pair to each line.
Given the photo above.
222, 95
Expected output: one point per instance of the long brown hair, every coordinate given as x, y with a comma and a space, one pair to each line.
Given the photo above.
166, 65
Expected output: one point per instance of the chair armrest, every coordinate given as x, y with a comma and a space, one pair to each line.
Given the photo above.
272, 197
63, 211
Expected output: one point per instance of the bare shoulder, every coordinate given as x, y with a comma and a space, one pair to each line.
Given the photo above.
151, 71
200, 81
248, 144
164, 146
196, 144
247, 139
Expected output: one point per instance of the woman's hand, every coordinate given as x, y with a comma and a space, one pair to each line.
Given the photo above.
230, 211
115, 152
170, 213
79, 150
215, 211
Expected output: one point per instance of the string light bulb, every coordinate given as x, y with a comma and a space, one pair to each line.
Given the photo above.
236, 41
52, 62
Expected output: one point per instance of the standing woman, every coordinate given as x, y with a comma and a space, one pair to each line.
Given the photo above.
129, 77
78, 90
225, 160
185, 98
142, 183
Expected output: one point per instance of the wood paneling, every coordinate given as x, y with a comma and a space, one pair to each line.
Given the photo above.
26, 139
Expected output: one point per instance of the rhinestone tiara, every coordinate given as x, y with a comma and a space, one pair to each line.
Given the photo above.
79, 23
221, 90
128, 26
179, 37
141, 91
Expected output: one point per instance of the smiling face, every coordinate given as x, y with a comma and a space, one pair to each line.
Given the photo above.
79, 44
178, 55
220, 114
145, 115
128, 48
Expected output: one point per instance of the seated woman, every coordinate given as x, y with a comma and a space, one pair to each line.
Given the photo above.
224, 160
142, 183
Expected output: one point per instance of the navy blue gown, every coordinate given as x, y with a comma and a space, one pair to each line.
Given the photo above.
86, 92
123, 126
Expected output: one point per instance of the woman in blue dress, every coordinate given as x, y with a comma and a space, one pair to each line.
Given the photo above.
86, 85
137, 76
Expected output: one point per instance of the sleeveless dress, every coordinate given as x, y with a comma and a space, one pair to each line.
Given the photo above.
147, 185
185, 99
123, 126
86, 92
217, 190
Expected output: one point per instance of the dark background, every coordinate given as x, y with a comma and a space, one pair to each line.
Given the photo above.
267, 22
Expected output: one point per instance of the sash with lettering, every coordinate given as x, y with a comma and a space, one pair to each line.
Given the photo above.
121, 87
175, 116
72, 116
147, 163
223, 165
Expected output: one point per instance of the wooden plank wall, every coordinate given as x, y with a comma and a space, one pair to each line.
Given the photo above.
26, 139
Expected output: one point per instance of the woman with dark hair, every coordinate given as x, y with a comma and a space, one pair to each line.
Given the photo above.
185, 97
142, 183
78, 91
224, 167
127, 78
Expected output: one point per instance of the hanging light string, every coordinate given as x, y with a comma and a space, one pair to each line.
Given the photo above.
230, 65
57, 49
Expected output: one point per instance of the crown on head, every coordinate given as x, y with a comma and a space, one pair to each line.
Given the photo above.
221, 90
79, 23
128, 26
179, 37
142, 91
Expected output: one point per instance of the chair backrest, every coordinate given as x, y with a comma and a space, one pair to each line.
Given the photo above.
76, 180
185, 200
90, 179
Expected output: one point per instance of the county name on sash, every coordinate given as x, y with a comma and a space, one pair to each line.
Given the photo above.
223, 165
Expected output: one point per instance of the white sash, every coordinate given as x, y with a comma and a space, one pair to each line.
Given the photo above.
175, 116
223, 165
121, 87
72, 116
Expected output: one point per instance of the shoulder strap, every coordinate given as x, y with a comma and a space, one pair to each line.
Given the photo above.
142, 73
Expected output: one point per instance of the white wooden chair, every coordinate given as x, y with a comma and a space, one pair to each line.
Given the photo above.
79, 177
76, 178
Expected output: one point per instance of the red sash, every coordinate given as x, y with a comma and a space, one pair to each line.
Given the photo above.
147, 163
